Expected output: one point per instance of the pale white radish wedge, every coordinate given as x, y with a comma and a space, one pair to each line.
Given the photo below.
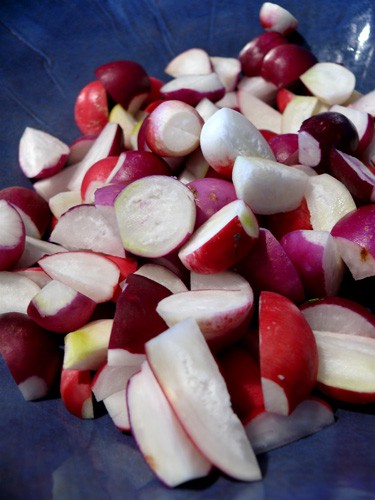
258, 87
355, 242
268, 431
195, 167
193, 88
225, 238
16, 291
31, 354
115, 404
108, 143
190, 378
331, 82
162, 275
226, 280
222, 315
60, 308
110, 379
206, 108
193, 61
297, 111
126, 121
339, 315
259, 113
51, 186
79, 148
61, 202
228, 69
268, 187
163, 442
35, 249
12, 235
346, 366
83, 227
273, 17
35, 274
155, 215
173, 129
75, 391
89, 273
288, 354
86, 348
41, 154
228, 134
229, 100
365, 103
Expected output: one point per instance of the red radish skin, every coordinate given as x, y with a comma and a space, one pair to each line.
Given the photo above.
12, 236
31, 354
283, 98
363, 122
282, 223
252, 54
191, 89
288, 354
91, 108
96, 176
284, 147
75, 391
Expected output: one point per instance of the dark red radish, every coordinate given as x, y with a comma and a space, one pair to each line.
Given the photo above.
252, 54
228, 134
285, 148
363, 122
355, 241
268, 187
316, 257
190, 378
32, 208
285, 63
210, 195
91, 108
267, 267
155, 215
59, 308
346, 366
96, 176
193, 61
159, 433
31, 354
79, 148
86, 348
193, 88
268, 431
339, 315
84, 227
173, 129
154, 93
75, 391
273, 17
288, 354
135, 320
89, 273
331, 82
220, 242
40, 154
12, 235
16, 291
322, 132
126, 82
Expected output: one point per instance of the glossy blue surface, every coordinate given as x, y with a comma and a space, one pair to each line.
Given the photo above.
48, 52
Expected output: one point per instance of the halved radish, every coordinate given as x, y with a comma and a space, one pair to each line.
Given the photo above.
193, 88
16, 291
273, 17
193, 61
91, 108
12, 235
162, 275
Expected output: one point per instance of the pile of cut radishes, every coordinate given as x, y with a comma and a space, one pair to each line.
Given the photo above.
189, 251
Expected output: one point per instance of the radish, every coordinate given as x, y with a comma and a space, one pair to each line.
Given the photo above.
155, 215
133, 165
285, 148
362, 121
163, 276
273, 17
61, 202
126, 121
35, 274
159, 434
184, 366
97, 176
91, 108
12, 235
193, 88
16, 292
195, 167
79, 148
193, 61
41, 154
228, 69
206, 108
261, 114
258, 87
234, 226
297, 110
126, 82
252, 54
59, 308
31, 354
111, 379
35, 249
75, 390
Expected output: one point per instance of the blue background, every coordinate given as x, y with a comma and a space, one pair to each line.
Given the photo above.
48, 52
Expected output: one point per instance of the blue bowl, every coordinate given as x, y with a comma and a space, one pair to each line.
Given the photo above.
48, 52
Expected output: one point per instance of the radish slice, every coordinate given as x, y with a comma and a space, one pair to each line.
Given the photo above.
16, 291
155, 214
273, 17
193, 61
12, 235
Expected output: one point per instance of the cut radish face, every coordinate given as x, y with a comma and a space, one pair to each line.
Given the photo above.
226, 280
155, 215
31, 354
363, 122
228, 134
115, 404
190, 62
163, 442
61, 202
111, 379
273, 17
173, 129
191, 380
75, 390
220, 242
261, 114
191, 89
332, 83
41, 154
163, 276
288, 354
126, 120
268, 187
16, 291
84, 228
35, 249
89, 273
268, 431
299, 109
12, 235
228, 69
59, 308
